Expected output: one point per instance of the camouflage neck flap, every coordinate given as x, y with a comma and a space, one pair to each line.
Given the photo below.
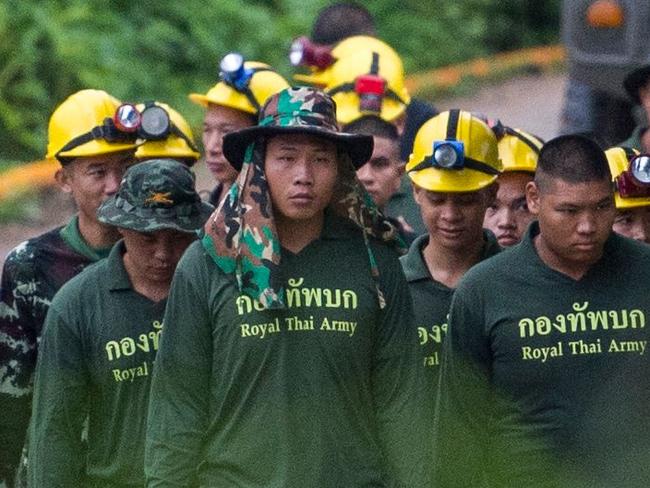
241, 236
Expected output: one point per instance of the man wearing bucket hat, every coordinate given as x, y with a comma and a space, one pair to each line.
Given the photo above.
102, 333
508, 216
637, 86
453, 199
545, 358
631, 192
93, 155
233, 104
295, 322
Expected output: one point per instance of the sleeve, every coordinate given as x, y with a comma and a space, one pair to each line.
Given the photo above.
398, 385
179, 401
60, 407
20, 321
464, 399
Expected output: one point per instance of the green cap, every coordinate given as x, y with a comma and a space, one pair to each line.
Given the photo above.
154, 195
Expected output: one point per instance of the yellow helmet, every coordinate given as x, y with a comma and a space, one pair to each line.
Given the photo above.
518, 150
368, 81
179, 143
258, 83
79, 127
454, 152
619, 159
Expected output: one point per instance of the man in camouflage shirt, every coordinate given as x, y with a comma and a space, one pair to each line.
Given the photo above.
93, 159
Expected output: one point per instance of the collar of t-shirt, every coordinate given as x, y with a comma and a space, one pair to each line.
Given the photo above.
117, 277
73, 238
415, 269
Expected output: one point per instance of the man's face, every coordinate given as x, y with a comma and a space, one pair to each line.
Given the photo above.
381, 174
218, 122
508, 217
302, 172
454, 220
92, 180
154, 255
633, 223
575, 219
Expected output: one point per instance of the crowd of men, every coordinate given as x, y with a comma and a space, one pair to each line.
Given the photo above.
374, 295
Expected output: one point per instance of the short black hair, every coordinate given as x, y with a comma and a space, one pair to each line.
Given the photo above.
573, 158
340, 21
371, 125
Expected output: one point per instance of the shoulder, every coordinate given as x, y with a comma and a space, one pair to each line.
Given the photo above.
77, 290
498, 269
623, 250
28, 250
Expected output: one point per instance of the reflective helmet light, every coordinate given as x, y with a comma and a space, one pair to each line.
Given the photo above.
303, 52
448, 154
233, 70
127, 118
640, 169
155, 122
371, 89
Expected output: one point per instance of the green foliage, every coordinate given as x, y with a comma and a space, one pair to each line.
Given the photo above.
163, 50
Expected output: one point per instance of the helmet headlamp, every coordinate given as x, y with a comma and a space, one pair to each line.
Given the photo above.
448, 154
303, 52
127, 118
155, 122
371, 89
233, 71
635, 182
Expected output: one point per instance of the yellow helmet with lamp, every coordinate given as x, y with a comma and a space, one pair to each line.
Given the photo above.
518, 150
177, 142
244, 85
89, 123
631, 176
454, 152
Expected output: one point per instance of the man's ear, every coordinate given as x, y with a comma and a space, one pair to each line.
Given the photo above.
62, 177
417, 193
532, 197
400, 124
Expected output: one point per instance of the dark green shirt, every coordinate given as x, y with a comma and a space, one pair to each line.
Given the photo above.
96, 356
325, 393
402, 206
545, 379
431, 300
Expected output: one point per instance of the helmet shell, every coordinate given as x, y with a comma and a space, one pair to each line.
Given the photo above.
618, 160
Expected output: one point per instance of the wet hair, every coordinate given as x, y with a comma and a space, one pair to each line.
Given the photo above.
372, 125
572, 158
340, 21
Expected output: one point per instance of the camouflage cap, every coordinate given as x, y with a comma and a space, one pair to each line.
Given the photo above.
154, 195
299, 110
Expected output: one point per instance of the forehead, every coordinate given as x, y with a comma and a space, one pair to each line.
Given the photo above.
513, 182
300, 141
584, 193
384, 147
111, 159
219, 114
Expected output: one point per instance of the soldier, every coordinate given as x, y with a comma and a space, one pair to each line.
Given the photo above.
101, 335
545, 347
173, 138
382, 174
453, 169
233, 104
289, 352
508, 216
632, 197
94, 154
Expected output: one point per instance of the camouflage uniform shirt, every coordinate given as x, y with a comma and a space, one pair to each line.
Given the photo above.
32, 274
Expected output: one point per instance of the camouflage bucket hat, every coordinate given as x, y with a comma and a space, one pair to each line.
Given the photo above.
154, 195
299, 110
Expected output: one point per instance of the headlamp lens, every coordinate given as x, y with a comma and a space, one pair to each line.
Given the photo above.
155, 122
231, 64
640, 169
445, 155
127, 118
296, 52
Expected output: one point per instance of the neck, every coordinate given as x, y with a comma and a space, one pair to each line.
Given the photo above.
96, 234
447, 266
572, 269
153, 290
295, 235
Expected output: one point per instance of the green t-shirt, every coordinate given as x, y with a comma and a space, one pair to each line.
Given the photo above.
325, 393
402, 204
542, 373
431, 300
95, 361
73, 238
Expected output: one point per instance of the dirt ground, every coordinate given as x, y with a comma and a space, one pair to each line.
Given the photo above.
528, 102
